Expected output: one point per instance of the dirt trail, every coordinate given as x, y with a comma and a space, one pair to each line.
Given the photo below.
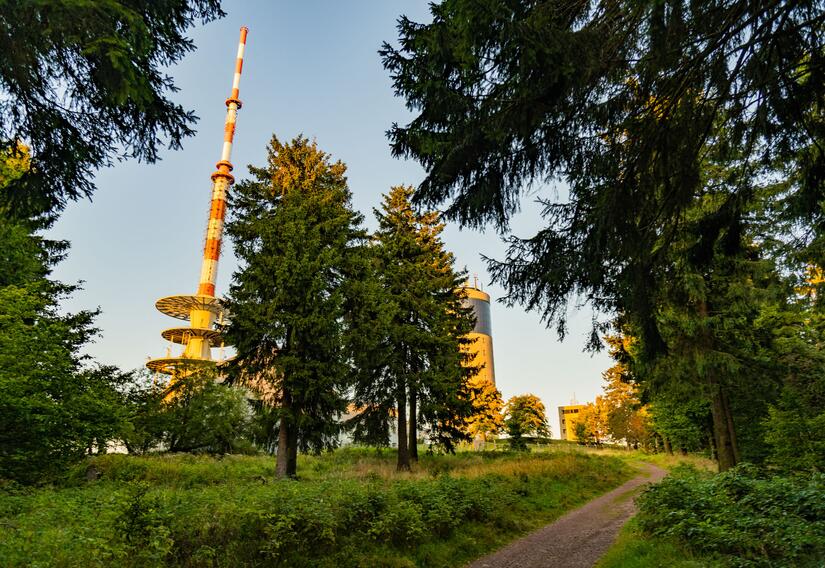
579, 538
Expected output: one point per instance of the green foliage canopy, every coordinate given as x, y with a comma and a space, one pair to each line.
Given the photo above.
525, 416
622, 101
54, 405
83, 85
418, 332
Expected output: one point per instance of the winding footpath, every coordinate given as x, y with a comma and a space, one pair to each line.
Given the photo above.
579, 538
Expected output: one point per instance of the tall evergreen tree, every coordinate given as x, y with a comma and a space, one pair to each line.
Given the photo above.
421, 378
298, 240
795, 428
632, 104
619, 99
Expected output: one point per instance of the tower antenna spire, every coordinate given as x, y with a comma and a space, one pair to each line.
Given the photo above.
221, 180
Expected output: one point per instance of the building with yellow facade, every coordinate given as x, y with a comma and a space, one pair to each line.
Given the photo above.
568, 417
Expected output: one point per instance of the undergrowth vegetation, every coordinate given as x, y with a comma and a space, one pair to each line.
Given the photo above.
742, 517
348, 508
633, 549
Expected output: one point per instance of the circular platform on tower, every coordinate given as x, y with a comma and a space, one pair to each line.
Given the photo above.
182, 335
176, 365
181, 306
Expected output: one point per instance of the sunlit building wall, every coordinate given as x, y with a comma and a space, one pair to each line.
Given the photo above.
568, 417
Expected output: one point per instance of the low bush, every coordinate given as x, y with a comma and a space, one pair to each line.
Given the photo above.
744, 516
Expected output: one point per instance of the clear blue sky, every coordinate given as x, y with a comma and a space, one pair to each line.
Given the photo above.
311, 67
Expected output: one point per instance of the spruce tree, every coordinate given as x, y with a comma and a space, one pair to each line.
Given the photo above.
624, 102
298, 241
420, 376
618, 99
633, 105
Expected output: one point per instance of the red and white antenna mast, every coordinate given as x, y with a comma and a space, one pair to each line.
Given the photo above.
221, 180
204, 310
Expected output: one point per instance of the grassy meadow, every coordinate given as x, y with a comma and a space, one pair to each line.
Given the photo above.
348, 508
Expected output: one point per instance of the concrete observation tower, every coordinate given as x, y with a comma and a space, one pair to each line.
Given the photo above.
482, 347
203, 310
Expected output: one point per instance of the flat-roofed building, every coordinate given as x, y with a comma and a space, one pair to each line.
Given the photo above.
568, 417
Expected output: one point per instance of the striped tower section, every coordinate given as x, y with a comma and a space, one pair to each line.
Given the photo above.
221, 180
203, 310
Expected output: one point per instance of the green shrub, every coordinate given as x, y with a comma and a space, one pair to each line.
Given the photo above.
142, 528
742, 515
401, 525
304, 524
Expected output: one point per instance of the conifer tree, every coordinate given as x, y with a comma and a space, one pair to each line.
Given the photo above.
631, 104
619, 99
298, 241
420, 379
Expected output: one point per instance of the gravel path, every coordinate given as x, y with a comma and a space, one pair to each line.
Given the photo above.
579, 538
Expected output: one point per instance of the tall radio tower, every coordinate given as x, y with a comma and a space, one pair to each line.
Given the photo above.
203, 310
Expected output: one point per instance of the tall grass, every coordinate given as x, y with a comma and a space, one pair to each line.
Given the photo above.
349, 508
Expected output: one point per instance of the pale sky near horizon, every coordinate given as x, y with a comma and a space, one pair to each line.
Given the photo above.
311, 67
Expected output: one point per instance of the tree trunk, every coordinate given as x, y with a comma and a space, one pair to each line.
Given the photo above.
668, 448
413, 426
292, 454
286, 461
403, 449
725, 456
712, 445
282, 459
731, 430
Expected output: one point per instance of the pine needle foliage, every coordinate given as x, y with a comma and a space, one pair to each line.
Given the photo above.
83, 85
623, 102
